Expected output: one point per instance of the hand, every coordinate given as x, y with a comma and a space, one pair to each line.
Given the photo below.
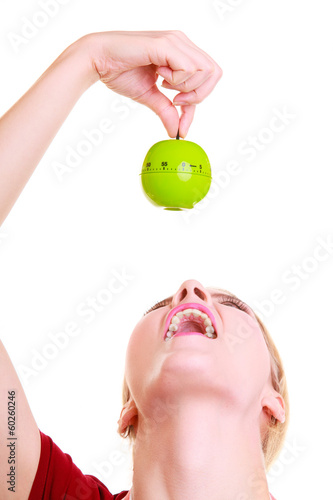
129, 63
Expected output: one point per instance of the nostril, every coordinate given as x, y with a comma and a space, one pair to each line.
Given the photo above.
183, 295
200, 294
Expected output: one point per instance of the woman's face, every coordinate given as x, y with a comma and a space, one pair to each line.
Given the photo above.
232, 362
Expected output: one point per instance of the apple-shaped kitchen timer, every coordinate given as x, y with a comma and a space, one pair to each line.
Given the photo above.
176, 174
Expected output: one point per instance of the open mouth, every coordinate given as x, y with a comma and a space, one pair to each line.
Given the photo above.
186, 321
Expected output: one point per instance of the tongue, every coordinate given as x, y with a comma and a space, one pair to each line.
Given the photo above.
189, 326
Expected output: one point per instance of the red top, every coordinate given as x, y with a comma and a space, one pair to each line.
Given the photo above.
57, 478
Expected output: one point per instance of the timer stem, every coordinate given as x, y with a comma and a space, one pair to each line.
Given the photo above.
177, 135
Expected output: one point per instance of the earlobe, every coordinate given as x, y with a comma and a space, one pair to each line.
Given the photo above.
128, 415
275, 406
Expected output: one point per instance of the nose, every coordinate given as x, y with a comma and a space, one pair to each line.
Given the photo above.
192, 291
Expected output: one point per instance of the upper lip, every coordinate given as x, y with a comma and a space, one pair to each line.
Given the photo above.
189, 305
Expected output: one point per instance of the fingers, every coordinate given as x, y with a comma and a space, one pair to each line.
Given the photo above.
191, 80
184, 68
186, 119
193, 73
163, 107
194, 82
198, 94
177, 77
189, 69
191, 83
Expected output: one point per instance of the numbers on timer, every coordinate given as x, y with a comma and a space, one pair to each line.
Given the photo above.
183, 164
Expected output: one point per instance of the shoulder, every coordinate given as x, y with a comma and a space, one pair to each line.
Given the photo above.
58, 477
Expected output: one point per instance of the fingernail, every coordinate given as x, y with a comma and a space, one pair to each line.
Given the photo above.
180, 103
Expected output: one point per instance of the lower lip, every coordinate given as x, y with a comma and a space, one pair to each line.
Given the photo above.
180, 334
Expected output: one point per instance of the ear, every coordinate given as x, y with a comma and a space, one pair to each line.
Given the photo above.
273, 404
128, 415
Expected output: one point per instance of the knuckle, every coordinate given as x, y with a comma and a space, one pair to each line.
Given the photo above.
194, 97
191, 69
167, 35
163, 38
212, 69
185, 86
177, 32
219, 71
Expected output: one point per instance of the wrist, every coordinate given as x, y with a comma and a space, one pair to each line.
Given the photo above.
81, 54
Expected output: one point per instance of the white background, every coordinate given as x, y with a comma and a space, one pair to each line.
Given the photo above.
63, 239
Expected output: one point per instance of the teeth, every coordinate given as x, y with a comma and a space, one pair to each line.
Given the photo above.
173, 327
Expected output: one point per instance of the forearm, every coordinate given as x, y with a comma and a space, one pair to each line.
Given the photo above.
27, 129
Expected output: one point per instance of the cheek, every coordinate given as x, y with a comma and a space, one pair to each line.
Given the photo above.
136, 347
247, 348
139, 354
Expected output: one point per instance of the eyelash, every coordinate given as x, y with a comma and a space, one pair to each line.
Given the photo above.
225, 301
235, 301
162, 303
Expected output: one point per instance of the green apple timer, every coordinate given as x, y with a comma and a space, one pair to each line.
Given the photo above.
176, 174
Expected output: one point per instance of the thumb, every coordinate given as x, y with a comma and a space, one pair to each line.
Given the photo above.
163, 107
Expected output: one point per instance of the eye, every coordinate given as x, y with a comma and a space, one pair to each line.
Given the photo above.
162, 303
233, 302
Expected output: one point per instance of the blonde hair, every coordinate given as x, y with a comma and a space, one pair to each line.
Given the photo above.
274, 436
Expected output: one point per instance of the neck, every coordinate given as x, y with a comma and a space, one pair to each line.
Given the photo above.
197, 452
